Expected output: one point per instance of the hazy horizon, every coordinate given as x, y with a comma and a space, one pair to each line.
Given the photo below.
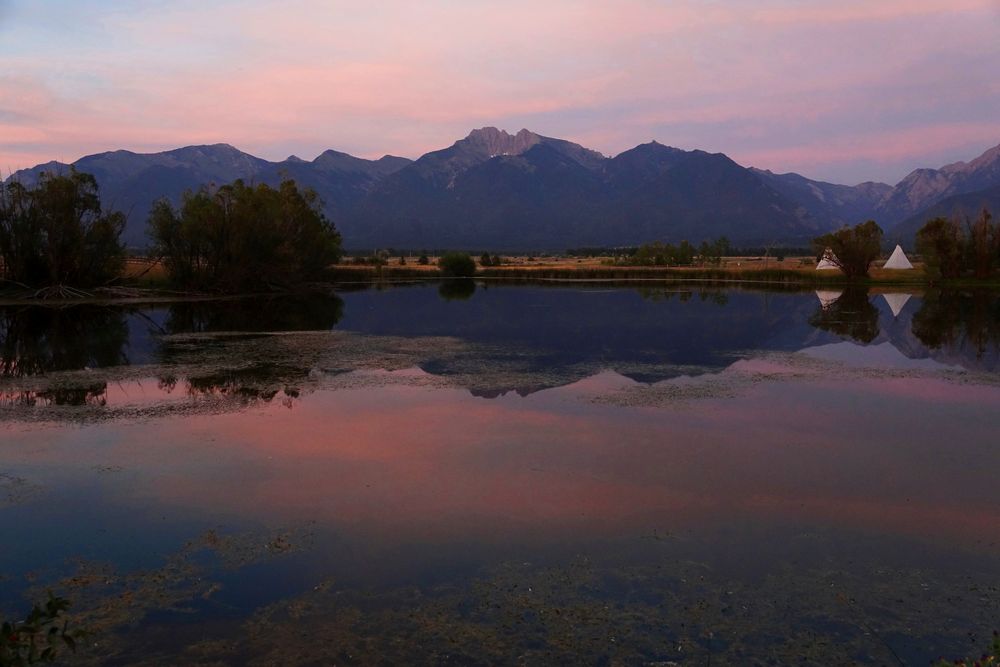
844, 92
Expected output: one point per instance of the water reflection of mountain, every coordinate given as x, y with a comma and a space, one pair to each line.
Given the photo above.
957, 328
505, 338
646, 335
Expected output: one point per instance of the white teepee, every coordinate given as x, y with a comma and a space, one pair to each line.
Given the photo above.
827, 297
896, 302
897, 260
825, 264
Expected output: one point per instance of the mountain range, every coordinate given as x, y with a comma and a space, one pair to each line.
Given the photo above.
524, 191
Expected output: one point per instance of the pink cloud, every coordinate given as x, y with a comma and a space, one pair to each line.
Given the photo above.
410, 77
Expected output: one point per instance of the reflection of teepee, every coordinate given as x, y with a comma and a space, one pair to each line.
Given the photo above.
827, 297
826, 263
896, 301
897, 260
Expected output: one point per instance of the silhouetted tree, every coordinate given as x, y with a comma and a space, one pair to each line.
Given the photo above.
854, 248
457, 264
245, 237
56, 233
983, 245
939, 243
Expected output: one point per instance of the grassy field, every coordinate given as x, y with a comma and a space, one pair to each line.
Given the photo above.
791, 270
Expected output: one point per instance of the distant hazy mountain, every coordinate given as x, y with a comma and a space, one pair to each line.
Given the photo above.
961, 207
828, 204
501, 191
132, 182
925, 187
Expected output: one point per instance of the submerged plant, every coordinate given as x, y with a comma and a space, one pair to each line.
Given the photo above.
38, 638
991, 659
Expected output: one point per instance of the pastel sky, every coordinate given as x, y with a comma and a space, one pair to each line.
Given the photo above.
846, 90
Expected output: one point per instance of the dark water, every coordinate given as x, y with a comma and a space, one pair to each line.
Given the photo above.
508, 474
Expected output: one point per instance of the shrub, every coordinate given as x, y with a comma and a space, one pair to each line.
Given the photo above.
457, 264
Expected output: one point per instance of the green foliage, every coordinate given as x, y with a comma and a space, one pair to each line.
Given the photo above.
486, 260
39, 637
244, 237
423, 259
457, 264
939, 243
949, 251
497, 260
854, 248
683, 254
56, 233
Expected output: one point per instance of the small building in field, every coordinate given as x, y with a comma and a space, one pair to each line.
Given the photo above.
897, 260
827, 262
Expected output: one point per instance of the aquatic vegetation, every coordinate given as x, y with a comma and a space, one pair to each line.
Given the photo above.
40, 636
985, 660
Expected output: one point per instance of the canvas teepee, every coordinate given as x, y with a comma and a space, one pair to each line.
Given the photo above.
826, 264
897, 260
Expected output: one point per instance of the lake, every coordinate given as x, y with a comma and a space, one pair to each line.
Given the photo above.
480, 473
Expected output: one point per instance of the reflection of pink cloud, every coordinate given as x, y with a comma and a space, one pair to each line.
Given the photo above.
408, 462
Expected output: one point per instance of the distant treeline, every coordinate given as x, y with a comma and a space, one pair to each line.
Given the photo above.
728, 250
241, 237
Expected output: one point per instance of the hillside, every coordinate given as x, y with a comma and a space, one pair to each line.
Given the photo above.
526, 191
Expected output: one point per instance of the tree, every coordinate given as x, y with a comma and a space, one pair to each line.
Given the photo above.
244, 237
486, 260
983, 245
457, 264
854, 248
57, 234
939, 243
423, 260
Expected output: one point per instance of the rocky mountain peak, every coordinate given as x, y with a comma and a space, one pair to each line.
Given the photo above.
500, 142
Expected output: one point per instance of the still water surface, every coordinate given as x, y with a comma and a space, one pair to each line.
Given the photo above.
515, 474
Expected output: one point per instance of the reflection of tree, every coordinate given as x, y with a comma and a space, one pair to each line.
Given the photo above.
956, 318
95, 394
280, 313
460, 290
36, 340
657, 294
258, 383
851, 315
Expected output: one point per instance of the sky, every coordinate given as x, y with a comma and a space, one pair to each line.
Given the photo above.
846, 91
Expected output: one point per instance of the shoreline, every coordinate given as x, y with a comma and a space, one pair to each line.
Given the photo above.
363, 277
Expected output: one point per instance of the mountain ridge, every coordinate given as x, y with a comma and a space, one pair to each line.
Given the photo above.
525, 190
